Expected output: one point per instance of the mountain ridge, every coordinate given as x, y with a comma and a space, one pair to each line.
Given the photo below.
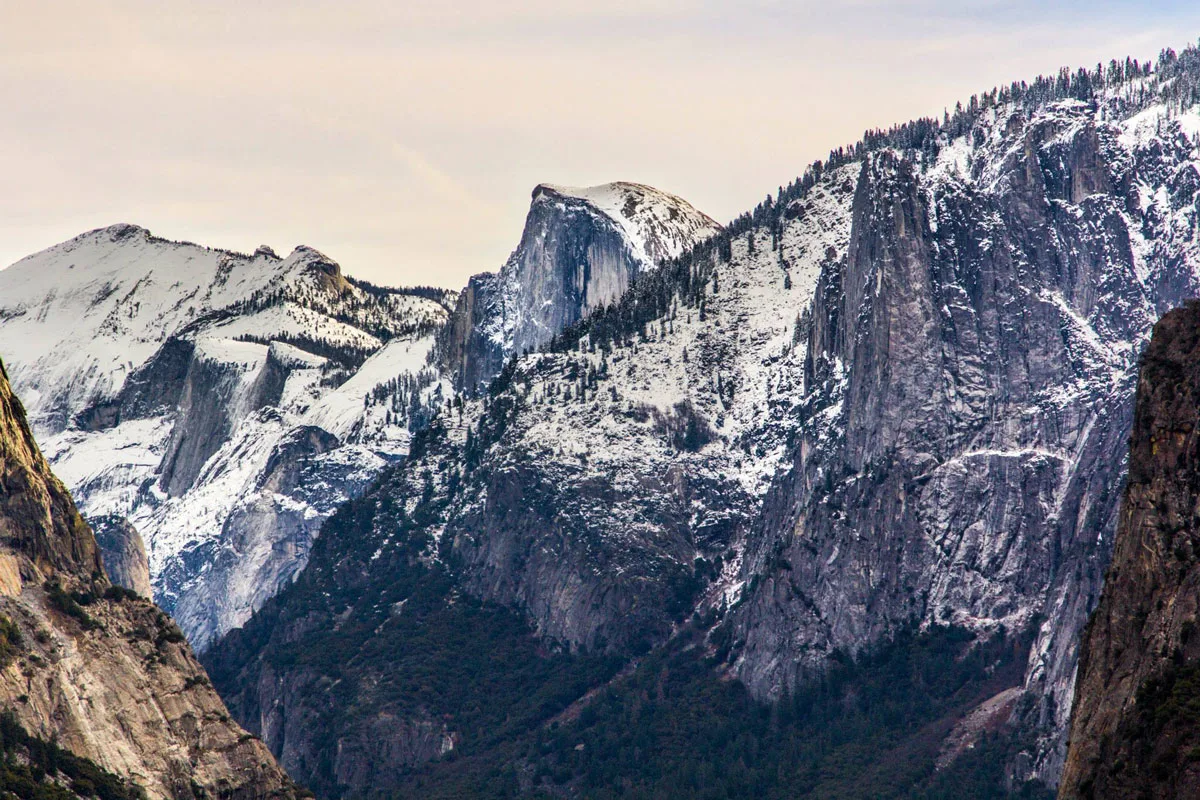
958, 308
221, 405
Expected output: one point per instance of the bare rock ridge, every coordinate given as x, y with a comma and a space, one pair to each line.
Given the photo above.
1134, 728
106, 675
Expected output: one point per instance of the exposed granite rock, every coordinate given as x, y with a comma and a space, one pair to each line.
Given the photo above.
216, 394
909, 388
580, 249
109, 677
465, 348
1134, 729
124, 554
38, 521
971, 384
154, 388
264, 542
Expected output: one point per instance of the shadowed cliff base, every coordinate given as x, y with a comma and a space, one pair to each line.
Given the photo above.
1135, 729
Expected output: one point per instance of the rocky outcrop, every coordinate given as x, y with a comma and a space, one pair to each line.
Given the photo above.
1134, 729
108, 676
38, 521
581, 248
264, 542
225, 382
955, 487
124, 554
466, 349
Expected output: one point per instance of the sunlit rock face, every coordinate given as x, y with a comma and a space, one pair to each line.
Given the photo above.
104, 674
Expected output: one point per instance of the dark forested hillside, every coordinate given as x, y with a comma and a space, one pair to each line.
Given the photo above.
465, 701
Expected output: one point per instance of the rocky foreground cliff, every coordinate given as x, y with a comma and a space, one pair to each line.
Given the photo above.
99, 670
1135, 728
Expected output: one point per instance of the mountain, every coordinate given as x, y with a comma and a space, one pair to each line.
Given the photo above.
581, 249
874, 425
219, 406
94, 670
212, 403
1134, 730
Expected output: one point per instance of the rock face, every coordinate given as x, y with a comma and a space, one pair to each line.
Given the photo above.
969, 401
898, 394
220, 404
1133, 727
581, 248
107, 676
124, 554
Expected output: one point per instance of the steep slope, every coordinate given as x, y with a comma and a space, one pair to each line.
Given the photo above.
977, 366
202, 399
124, 554
581, 248
897, 395
105, 675
1134, 727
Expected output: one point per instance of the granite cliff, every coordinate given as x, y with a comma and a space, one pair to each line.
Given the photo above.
1134, 727
98, 670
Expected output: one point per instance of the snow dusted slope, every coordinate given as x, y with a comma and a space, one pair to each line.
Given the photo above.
900, 395
80, 317
581, 249
226, 404
657, 225
217, 402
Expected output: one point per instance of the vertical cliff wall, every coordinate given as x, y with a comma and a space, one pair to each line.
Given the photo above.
1135, 729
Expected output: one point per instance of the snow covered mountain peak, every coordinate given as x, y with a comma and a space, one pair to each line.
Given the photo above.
659, 224
180, 388
581, 249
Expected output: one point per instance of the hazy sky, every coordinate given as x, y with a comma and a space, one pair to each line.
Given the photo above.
403, 138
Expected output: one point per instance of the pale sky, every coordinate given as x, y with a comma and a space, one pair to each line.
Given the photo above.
403, 138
